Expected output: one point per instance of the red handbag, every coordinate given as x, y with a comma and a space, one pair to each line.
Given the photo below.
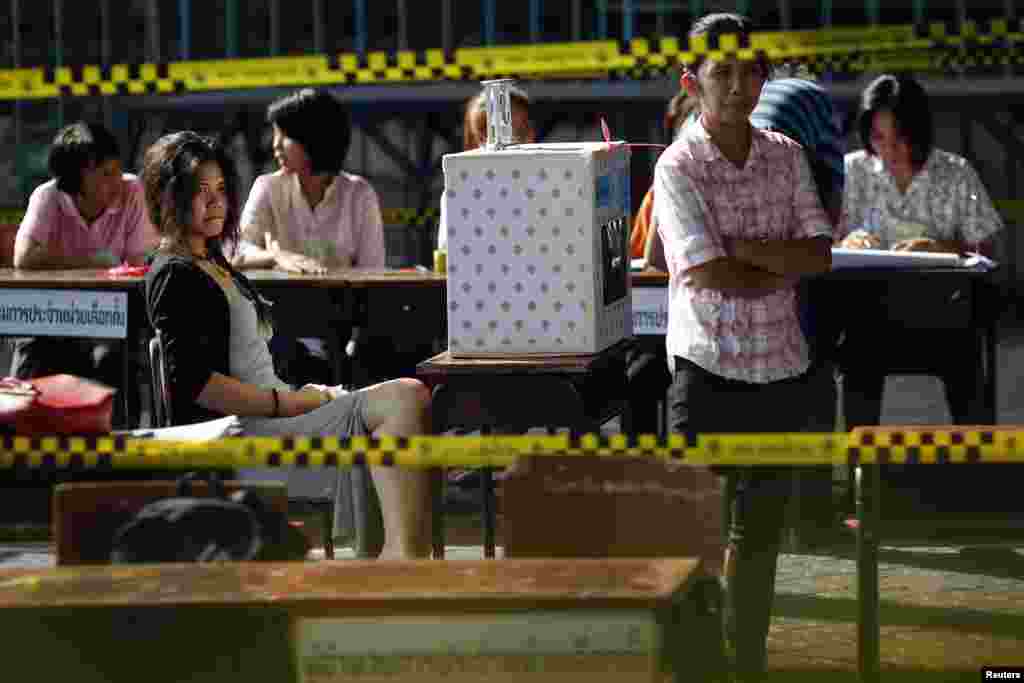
58, 404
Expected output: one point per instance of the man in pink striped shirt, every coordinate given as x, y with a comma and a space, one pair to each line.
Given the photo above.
741, 222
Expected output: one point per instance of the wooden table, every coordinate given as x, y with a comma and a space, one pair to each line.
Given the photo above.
405, 306
403, 314
935, 300
535, 620
309, 306
388, 302
515, 395
897, 300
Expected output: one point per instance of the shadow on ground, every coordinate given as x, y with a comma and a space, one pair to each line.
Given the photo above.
836, 609
995, 562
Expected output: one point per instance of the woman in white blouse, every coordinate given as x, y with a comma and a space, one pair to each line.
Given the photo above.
311, 215
904, 194
308, 217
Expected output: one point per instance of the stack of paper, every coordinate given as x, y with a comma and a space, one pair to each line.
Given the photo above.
882, 258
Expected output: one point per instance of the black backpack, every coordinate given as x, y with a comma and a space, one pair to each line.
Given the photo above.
218, 528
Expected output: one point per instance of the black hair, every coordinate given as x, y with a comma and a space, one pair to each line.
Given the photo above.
906, 99
319, 122
169, 175
76, 148
717, 24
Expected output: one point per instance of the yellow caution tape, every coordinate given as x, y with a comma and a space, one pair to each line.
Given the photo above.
11, 216
543, 60
413, 217
882, 447
1012, 209
252, 73
853, 49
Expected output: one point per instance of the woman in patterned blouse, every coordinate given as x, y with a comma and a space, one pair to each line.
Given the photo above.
901, 192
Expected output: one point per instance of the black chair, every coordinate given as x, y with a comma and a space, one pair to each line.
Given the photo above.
161, 393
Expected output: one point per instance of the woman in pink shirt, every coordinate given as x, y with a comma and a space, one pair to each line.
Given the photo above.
90, 215
311, 215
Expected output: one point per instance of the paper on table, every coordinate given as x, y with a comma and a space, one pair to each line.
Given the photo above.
201, 431
258, 274
977, 262
883, 258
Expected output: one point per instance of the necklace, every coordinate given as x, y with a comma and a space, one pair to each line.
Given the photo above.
220, 274
206, 258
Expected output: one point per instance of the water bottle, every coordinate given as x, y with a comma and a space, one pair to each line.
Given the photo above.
499, 113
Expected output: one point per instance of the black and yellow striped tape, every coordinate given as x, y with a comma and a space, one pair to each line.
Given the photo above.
11, 216
410, 217
895, 447
928, 47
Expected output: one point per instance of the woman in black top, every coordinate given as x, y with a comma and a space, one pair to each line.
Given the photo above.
215, 327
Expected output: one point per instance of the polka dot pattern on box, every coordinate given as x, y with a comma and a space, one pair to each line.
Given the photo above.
525, 251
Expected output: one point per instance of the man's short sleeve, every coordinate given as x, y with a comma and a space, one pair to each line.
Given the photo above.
683, 220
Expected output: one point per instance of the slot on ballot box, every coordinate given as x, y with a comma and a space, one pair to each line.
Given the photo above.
610, 620
538, 253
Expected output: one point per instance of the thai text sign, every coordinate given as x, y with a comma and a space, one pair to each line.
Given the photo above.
63, 313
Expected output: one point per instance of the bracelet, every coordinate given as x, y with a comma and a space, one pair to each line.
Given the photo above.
277, 403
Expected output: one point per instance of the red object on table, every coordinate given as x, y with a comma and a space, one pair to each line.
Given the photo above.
58, 404
127, 270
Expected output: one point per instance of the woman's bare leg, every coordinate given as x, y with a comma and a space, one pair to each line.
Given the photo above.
401, 407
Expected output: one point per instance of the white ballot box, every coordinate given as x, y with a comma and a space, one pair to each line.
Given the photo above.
538, 249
